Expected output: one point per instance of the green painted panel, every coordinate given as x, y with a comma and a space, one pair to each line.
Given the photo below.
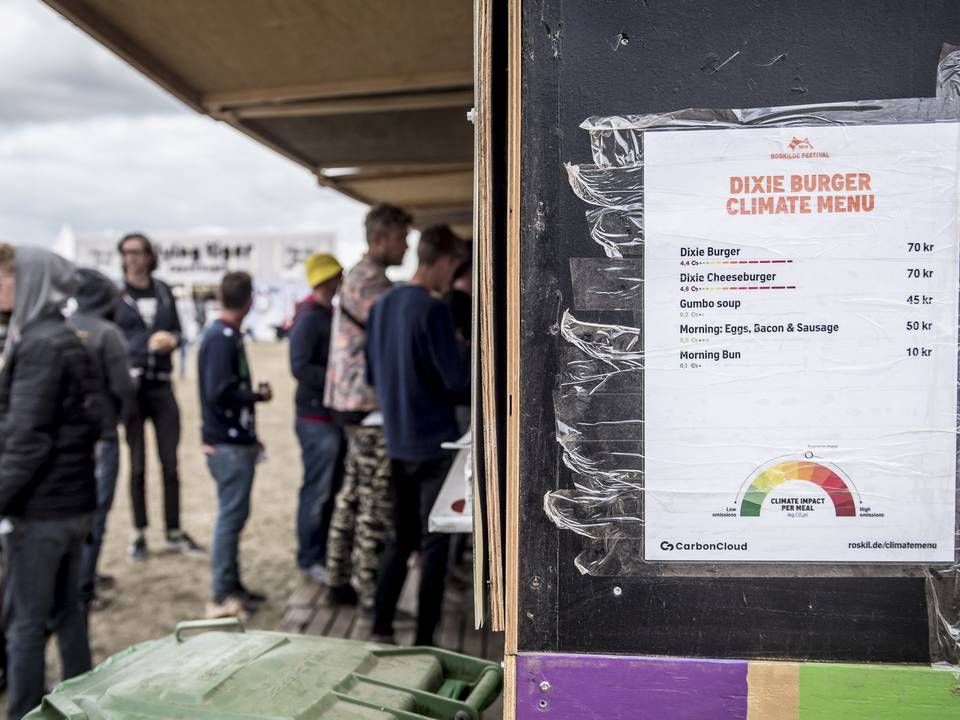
878, 692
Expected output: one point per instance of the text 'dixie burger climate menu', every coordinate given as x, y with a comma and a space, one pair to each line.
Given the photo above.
800, 337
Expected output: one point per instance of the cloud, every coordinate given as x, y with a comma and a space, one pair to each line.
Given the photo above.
53, 71
156, 172
87, 141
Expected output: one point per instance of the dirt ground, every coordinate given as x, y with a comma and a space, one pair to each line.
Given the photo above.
151, 597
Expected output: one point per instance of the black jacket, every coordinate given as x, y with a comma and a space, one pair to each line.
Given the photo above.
97, 299
108, 351
309, 350
155, 366
49, 424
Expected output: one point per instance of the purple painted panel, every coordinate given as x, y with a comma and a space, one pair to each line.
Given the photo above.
613, 687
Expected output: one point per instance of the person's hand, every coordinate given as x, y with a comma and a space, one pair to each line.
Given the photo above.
265, 392
162, 342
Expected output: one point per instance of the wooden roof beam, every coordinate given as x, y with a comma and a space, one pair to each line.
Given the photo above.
357, 105
390, 172
420, 82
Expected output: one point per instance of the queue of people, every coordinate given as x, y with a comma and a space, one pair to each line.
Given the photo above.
380, 371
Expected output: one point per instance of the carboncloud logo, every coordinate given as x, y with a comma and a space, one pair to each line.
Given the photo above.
721, 546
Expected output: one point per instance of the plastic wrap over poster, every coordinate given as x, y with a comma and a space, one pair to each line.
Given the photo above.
800, 332
760, 350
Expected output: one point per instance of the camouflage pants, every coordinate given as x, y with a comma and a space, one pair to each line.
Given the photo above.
361, 522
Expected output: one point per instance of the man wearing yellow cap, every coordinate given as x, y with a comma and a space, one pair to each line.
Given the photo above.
321, 440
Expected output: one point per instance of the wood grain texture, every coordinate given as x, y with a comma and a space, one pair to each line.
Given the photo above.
510, 687
486, 305
774, 691
514, 130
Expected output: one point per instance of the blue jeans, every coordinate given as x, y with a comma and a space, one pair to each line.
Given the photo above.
322, 449
232, 467
108, 466
42, 593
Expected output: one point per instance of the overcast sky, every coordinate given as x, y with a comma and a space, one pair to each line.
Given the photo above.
87, 141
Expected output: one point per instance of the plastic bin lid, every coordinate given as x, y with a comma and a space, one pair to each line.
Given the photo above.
274, 675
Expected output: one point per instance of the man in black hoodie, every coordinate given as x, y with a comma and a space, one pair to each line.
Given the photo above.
147, 315
97, 299
49, 425
321, 440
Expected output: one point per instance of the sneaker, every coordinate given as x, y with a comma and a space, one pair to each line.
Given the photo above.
383, 639
229, 606
316, 574
342, 595
138, 549
105, 582
179, 542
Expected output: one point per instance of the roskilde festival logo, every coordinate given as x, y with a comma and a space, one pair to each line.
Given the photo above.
797, 148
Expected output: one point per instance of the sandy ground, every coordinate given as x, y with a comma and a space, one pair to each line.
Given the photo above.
151, 597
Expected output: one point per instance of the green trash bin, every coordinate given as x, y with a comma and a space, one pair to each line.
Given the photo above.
227, 672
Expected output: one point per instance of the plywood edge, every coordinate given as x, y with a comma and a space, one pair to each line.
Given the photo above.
513, 325
488, 349
482, 301
510, 687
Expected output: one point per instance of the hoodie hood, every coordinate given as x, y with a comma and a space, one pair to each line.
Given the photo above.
44, 283
96, 293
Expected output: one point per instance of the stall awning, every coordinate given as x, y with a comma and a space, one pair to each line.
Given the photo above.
370, 95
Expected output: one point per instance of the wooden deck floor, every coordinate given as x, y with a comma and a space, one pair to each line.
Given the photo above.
308, 613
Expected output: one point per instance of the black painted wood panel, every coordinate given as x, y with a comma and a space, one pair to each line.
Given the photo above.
605, 57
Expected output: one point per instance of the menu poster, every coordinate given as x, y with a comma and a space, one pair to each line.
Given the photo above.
800, 331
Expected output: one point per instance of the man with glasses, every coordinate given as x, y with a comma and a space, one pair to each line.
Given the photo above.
147, 315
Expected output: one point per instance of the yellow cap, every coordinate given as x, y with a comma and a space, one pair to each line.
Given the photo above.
321, 267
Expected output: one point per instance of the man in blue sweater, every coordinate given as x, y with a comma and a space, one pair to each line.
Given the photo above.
419, 370
321, 440
229, 432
